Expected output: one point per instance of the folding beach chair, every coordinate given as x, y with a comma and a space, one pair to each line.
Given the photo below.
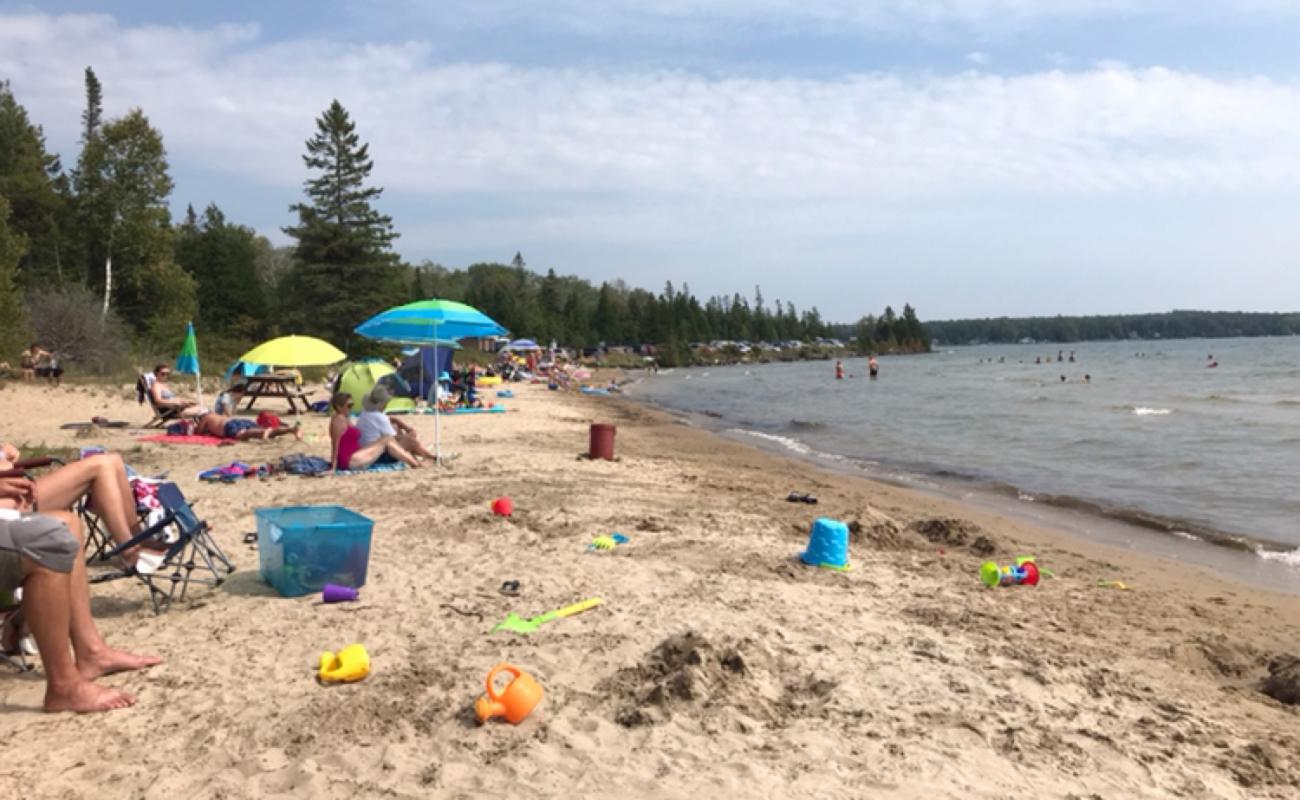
161, 416
190, 547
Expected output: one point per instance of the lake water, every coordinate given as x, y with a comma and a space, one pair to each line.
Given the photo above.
1156, 438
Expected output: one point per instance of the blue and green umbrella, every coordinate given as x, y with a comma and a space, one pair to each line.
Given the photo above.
426, 322
187, 363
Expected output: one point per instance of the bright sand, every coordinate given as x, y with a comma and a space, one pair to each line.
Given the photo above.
718, 664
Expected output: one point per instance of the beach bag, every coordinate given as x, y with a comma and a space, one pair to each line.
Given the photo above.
268, 420
302, 464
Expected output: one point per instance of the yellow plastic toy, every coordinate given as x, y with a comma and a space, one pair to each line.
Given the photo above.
349, 665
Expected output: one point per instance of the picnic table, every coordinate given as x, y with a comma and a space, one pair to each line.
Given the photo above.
275, 384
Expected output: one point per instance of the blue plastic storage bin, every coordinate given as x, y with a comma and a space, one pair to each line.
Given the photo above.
302, 548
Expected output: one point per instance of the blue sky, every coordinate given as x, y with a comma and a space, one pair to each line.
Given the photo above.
972, 157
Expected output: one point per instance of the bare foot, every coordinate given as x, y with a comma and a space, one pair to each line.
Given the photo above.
266, 434
87, 698
297, 432
109, 661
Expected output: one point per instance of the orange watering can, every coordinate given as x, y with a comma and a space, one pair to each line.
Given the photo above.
515, 703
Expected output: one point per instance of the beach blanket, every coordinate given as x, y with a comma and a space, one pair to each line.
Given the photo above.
229, 473
492, 410
597, 392
389, 467
167, 438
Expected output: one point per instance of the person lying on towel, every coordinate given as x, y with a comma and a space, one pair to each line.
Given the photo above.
239, 429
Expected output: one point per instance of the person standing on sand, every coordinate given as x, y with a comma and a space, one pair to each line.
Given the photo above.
873, 366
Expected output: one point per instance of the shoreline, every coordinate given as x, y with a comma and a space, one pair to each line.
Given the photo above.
718, 663
1275, 564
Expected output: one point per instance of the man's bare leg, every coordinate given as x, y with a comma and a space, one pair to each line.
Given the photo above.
94, 656
46, 604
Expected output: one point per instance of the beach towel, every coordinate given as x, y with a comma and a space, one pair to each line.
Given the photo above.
492, 410
392, 466
229, 473
166, 438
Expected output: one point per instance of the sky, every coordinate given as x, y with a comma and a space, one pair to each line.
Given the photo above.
971, 157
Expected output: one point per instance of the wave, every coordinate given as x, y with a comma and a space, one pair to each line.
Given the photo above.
793, 445
1286, 403
1143, 411
1289, 557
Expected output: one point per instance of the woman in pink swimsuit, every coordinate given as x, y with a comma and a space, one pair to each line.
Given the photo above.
346, 452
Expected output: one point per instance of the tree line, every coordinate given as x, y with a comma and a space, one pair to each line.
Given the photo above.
1169, 325
92, 264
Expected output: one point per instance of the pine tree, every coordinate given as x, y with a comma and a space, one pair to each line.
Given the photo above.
29, 181
94, 111
13, 333
345, 271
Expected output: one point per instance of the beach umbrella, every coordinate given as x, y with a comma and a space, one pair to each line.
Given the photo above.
427, 322
294, 351
523, 344
187, 363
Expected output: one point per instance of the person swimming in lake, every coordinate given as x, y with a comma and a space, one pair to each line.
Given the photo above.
1210, 363
839, 370
873, 366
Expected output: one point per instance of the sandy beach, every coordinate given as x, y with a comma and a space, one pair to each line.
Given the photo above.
718, 663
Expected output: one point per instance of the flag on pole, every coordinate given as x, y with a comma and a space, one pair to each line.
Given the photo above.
187, 363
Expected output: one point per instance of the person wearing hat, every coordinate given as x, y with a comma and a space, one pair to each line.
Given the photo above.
442, 389
376, 426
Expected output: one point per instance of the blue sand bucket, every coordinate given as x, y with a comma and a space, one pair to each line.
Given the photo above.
828, 545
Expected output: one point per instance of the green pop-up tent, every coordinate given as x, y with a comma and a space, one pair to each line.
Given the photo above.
357, 379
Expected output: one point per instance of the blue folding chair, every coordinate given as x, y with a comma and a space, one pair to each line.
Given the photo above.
190, 547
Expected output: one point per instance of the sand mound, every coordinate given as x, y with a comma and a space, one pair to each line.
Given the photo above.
878, 529
954, 533
730, 683
1283, 681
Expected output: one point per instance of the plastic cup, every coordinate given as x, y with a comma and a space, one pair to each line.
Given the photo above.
333, 593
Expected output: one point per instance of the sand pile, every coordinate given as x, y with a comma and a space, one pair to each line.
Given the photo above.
951, 532
1283, 681
729, 683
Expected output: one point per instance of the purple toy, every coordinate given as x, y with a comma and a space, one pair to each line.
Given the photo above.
333, 593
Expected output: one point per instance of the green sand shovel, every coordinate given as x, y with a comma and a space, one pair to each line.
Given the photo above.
517, 624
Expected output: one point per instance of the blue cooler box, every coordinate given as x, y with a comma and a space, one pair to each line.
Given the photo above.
302, 548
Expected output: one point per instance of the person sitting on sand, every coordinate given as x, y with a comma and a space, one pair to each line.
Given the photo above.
27, 361
41, 553
346, 452
241, 430
164, 399
101, 479
375, 425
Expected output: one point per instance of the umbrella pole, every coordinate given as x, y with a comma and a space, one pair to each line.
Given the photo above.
437, 410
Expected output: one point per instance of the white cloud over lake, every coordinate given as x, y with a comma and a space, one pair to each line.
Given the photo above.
629, 154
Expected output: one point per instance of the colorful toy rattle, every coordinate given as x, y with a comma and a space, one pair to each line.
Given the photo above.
1023, 573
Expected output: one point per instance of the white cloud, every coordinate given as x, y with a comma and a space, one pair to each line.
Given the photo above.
910, 16
978, 58
228, 101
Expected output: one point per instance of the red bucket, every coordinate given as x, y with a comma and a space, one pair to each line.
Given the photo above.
602, 442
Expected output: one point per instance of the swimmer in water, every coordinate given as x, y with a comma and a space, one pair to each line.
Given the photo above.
873, 366
839, 370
